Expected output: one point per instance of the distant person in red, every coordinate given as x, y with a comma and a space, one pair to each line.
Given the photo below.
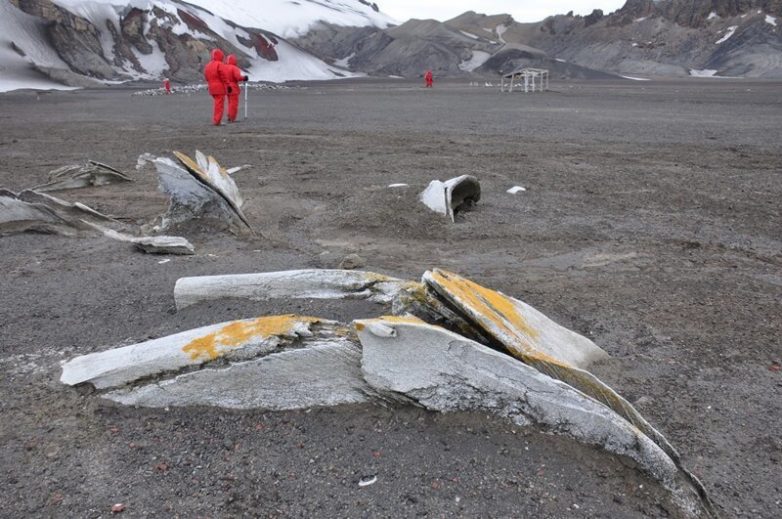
167, 85
429, 78
233, 76
216, 76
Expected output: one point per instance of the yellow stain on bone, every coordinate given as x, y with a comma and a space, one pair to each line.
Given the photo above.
389, 319
238, 333
190, 164
497, 308
493, 309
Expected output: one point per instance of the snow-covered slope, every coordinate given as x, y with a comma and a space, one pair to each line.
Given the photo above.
22, 44
116, 40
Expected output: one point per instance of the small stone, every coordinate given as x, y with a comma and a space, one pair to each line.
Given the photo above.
352, 261
118, 508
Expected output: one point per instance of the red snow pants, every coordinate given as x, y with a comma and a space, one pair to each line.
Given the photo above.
219, 107
233, 107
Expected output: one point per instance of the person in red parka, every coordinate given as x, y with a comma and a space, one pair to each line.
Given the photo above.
429, 78
167, 85
233, 76
216, 75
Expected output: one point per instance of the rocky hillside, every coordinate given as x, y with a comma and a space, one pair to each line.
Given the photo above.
643, 38
81, 42
655, 37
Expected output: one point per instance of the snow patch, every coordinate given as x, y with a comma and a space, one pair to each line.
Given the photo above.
478, 58
731, 31
469, 35
707, 72
771, 20
501, 28
635, 78
343, 63
560, 60
641, 19
712, 15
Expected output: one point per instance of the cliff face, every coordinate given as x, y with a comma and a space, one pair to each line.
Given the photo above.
697, 13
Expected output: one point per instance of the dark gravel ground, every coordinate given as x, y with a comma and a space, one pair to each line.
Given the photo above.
651, 224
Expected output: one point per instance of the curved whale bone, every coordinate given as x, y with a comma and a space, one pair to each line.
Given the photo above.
233, 340
292, 284
530, 336
444, 371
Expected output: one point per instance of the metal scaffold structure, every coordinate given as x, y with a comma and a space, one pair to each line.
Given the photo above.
526, 79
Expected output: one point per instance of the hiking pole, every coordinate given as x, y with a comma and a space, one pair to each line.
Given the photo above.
246, 93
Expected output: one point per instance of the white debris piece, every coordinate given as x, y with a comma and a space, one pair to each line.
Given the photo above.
398, 185
449, 197
292, 284
516, 189
151, 244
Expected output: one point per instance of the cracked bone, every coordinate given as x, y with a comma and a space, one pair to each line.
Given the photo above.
537, 341
293, 284
33, 211
92, 173
451, 196
234, 340
197, 188
446, 372
151, 244
323, 373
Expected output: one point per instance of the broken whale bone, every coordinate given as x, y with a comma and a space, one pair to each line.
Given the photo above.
523, 332
302, 361
30, 211
451, 196
196, 188
443, 371
292, 284
92, 173
457, 372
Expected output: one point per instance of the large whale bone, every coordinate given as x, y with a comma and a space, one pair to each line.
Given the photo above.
444, 371
528, 335
292, 284
196, 188
273, 362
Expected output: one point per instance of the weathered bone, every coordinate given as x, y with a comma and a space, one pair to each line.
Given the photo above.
293, 284
444, 371
235, 340
452, 196
553, 350
196, 188
92, 173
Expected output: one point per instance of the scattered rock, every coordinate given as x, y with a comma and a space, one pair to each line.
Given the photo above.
352, 261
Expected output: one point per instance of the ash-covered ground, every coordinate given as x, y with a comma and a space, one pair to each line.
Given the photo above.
651, 224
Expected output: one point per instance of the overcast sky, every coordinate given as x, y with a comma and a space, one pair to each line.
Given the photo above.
522, 10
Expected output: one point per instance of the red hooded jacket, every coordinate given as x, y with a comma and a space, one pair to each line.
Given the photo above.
216, 74
233, 75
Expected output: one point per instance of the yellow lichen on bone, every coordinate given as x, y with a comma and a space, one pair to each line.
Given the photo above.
190, 164
497, 315
238, 333
491, 305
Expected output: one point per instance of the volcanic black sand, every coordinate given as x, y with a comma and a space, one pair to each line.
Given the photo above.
651, 224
